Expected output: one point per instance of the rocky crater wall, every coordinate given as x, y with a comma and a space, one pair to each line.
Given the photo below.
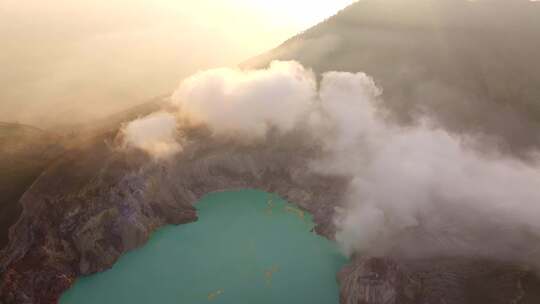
99, 202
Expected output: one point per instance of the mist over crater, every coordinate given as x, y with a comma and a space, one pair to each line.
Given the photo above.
412, 191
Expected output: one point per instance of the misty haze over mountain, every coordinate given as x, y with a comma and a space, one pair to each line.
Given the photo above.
439, 127
409, 129
71, 62
470, 65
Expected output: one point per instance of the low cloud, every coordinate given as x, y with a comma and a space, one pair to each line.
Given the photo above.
248, 102
156, 134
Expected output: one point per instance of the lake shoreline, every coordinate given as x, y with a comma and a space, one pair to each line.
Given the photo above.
281, 247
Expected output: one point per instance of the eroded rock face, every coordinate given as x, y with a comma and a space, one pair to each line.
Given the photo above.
465, 64
375, 280
98, 203
25, 152
455, 280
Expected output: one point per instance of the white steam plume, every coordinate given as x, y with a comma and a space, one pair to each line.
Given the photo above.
233, 101
417, 190
420, 190
156, 134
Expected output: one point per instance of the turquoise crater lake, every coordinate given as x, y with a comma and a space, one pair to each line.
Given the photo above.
247, 247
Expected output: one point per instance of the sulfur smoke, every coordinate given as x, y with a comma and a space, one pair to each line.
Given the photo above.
247, 103
156, 134
418, 190
421, 190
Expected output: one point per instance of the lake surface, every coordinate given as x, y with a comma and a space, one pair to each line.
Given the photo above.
248, 247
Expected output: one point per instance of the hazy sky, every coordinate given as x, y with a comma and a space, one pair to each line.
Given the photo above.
74, 60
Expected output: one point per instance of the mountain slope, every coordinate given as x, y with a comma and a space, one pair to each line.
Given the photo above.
472, 66
25, 151
467, 65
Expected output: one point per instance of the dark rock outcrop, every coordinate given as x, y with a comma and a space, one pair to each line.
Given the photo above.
25, 152
468, 65
98, 203
453, 280
375, 280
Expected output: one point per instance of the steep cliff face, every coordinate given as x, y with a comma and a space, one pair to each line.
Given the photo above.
455, 280
25, 152
98, 202
375, 280
72, 224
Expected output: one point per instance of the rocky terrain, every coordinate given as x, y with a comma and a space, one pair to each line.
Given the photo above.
465, 64
25, 152
100, 201
468, 65
445, 280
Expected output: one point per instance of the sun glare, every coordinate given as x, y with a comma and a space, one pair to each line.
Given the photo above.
297, 13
